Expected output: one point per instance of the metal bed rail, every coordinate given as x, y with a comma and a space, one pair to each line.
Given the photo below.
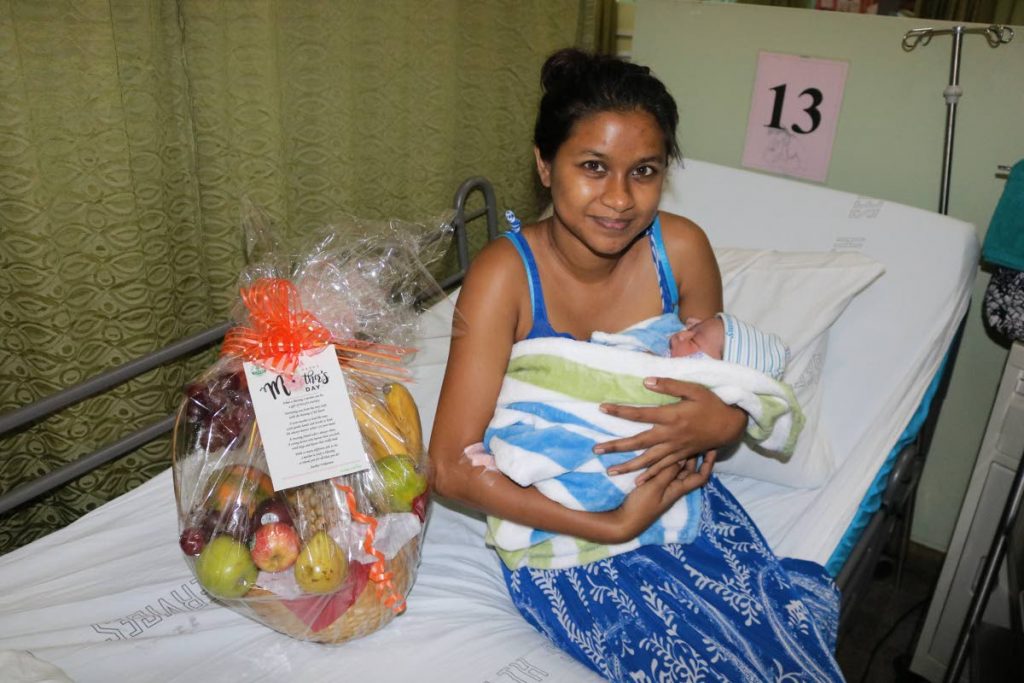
31, 413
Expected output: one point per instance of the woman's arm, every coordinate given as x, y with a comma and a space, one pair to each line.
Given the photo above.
699, 422
488, 313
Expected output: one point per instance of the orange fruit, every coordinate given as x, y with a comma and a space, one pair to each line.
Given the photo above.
239, 485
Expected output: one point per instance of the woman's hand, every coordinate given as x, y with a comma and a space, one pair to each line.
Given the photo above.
649, 501
697, 423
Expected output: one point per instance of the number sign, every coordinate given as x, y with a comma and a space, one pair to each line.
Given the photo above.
793, 115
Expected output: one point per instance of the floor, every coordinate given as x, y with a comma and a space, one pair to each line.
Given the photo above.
878, 641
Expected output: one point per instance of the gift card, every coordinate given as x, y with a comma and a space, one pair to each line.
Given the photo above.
306, 421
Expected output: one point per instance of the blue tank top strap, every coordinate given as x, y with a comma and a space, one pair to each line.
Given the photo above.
541, 327
666, 280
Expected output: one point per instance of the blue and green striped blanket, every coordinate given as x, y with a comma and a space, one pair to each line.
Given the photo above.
547, 421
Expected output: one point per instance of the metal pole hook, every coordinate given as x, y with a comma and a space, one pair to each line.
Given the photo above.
998, 34
917, 36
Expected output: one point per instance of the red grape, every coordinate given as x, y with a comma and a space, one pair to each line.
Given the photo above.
219, 411
192, 541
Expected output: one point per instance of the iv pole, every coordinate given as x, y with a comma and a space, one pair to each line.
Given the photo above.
996, 35
989, 576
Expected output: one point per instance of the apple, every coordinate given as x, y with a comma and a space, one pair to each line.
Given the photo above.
275, 547
272, 510
402, 483
322, 565
225, 568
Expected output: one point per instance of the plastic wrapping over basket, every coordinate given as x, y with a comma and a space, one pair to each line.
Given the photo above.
331, 559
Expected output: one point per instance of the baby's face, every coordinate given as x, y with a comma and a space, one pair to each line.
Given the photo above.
700, 336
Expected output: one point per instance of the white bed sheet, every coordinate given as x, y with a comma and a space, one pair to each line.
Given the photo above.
110, 598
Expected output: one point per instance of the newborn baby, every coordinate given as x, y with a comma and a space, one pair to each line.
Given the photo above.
723, 337
726, 337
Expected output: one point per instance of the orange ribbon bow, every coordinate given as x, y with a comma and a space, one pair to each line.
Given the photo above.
279, 329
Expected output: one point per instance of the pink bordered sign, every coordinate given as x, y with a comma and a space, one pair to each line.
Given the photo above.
793, 115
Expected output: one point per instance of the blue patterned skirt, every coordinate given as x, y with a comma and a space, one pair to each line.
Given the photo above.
722, 608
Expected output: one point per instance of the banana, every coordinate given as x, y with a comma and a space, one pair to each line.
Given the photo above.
402, 406
378, 427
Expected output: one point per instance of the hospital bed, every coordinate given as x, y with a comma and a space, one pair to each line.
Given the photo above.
109, 597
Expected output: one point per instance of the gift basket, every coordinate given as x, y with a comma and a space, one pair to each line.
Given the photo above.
299, 464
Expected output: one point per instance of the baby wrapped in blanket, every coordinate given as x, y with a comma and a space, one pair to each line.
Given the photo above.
548, 420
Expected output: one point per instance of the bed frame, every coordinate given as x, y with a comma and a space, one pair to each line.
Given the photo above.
894, 515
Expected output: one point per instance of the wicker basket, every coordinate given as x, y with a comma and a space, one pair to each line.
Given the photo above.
366, 615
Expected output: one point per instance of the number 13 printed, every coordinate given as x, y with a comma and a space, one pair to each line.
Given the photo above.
812, 110
793, 115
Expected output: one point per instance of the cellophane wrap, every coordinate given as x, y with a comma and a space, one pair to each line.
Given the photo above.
331, 560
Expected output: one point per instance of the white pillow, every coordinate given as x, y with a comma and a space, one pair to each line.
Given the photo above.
798, 296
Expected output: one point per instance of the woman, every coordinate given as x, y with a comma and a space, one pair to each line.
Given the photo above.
723, 607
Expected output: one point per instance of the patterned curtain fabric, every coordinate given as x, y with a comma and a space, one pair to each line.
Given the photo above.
800, 4
981, 11
131, 129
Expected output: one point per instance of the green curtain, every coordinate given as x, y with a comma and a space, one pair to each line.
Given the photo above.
799, 4
130, 130
981, 11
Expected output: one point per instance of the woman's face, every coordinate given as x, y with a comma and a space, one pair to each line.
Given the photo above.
606, 179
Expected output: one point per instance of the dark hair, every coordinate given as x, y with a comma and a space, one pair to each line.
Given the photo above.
577, 84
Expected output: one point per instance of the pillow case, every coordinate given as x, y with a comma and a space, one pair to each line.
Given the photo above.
798, 296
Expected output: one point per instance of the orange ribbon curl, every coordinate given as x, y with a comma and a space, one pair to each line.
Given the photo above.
279, 330
378, 574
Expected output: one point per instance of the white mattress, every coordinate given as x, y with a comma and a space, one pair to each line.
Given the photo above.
110, 597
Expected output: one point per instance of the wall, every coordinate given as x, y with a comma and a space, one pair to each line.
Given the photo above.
888, 145
625, 23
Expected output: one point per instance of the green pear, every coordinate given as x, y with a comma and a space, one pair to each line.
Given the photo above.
225, 568
322, 565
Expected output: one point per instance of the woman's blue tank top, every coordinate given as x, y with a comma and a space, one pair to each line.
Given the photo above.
541, 326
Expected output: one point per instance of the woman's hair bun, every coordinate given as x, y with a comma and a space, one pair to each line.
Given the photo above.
576, 84
564, 67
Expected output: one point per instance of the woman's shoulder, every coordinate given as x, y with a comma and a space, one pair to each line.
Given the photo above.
498, 260
495, 295
495, 276
694, 267
684, 239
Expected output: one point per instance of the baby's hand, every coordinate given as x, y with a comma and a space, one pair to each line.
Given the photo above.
478, 456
